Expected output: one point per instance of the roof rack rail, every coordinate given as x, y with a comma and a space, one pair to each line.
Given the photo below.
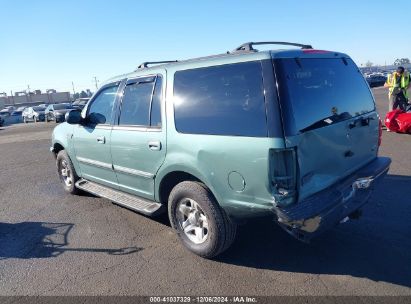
248, 46
145, 64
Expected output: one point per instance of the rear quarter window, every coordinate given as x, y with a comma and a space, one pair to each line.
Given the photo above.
317, 92
221, 100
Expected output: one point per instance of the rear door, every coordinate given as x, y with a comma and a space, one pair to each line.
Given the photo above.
138, 139
329, 118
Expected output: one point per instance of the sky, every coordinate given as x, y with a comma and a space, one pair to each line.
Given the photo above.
50, 44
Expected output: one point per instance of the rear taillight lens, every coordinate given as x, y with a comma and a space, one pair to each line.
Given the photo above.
379, 132
283, 173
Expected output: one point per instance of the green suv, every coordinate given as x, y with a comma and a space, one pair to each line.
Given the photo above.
216, 140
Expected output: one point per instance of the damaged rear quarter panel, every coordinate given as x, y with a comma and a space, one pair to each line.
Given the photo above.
214, 157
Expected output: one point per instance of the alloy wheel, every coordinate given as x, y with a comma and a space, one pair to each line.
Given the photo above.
65, 173
192, 220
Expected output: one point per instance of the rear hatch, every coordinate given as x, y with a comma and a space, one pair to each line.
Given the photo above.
329, 118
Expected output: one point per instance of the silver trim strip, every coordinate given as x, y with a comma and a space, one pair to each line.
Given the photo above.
130, 128
93, 162
133, 172
137, 128
103, 127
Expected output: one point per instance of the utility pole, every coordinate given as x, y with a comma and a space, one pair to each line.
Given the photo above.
28, 96
96, 81
74, 91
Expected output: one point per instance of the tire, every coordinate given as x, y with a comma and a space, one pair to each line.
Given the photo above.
63, 161
220, 230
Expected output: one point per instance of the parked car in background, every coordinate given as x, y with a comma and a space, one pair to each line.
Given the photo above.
16, 113
80, 103
21, 109
57, 112
15, 117
9, 108
215, 141
4, 113
376, 80
33, 114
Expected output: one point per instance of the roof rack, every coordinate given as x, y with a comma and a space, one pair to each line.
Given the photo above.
248, 46
145, 64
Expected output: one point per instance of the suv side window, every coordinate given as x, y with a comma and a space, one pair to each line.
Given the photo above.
221, 100
141, 104
135, 107
155, 116
103, 104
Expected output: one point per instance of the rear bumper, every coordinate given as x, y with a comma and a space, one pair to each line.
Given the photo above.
327, 208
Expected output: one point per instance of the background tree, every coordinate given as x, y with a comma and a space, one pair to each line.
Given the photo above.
400, 61
369, 64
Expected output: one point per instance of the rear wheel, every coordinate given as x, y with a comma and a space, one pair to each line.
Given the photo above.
67, 173
202, 226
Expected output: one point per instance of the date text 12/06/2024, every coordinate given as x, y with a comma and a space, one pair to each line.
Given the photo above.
203, 299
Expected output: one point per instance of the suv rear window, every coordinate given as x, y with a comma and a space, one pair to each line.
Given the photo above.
318, 92
221, 100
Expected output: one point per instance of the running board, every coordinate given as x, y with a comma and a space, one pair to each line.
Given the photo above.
129, 201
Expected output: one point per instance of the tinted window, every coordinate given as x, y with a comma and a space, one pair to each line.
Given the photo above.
318, 92
156, 105
103, 103
135, 107
221, 100
61, 106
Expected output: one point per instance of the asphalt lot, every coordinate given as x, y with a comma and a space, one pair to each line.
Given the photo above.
52, 243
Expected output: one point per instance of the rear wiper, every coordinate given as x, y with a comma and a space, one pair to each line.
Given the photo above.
327, 121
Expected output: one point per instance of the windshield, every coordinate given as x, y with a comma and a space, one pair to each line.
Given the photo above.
39, 108
318, 92
61, 106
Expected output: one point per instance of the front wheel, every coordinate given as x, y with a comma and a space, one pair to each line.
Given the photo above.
202, 226
67, 173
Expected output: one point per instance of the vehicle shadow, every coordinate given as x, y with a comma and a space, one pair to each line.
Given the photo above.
377, 246
29, 240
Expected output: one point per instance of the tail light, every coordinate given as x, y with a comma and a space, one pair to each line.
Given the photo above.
283, 173
379, 132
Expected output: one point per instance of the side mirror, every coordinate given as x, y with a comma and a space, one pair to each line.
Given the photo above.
73, 117
96, 118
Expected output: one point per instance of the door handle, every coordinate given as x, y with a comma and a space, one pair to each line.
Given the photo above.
154, 145
101, 139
